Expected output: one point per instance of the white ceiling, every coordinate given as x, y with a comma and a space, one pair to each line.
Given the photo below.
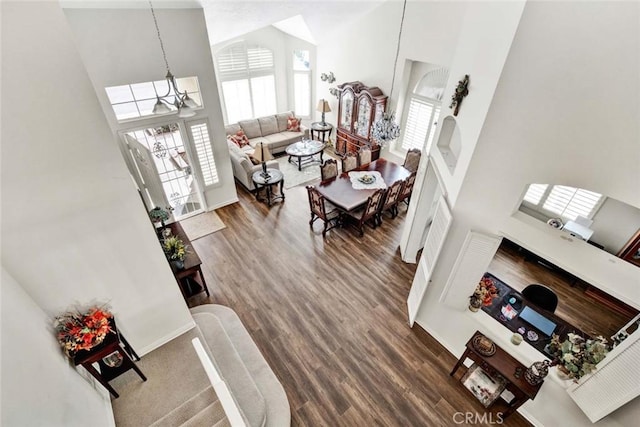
227, 19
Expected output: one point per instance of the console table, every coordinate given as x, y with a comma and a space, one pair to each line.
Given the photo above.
113, 343
190, 278
505, 365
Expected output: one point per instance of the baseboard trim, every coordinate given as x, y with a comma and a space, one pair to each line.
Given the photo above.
162, 341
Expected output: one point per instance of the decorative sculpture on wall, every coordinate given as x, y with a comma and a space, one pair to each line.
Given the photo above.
462, 90
330, 78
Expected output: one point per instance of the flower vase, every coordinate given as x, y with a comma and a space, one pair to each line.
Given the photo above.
474, 304
179, 263
562, 373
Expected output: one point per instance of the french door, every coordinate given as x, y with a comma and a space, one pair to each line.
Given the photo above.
163, 169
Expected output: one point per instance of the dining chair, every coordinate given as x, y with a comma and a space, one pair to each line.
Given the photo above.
323, 209
364, 156
405, 193
390, 202
329, 169
412, 159
349, 162
369, 211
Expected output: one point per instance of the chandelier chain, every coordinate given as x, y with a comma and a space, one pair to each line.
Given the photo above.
395, 62
155, 21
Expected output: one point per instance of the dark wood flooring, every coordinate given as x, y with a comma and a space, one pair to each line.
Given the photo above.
574, 305
329, 316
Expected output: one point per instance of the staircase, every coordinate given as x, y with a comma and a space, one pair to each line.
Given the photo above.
203, 409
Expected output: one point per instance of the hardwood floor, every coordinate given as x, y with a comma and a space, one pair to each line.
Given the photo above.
329, 315
574, 305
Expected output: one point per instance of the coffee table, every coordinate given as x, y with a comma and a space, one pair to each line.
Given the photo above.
304, 152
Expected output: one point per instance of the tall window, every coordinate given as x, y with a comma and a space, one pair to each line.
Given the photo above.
423, 111
564, 201
302, 83
137, 100
247, 76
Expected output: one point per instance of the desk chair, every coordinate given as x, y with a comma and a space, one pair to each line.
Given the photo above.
541, 296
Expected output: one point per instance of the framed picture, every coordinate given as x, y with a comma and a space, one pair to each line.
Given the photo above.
631, 251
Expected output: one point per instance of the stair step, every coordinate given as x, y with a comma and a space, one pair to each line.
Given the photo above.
188, 409
207, 417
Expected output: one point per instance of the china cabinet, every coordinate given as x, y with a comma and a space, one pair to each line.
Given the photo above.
359, 106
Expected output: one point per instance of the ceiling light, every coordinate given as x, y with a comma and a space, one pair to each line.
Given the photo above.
386, 129
181, 100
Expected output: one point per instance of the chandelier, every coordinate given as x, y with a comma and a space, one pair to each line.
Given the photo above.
386, 129
174, 99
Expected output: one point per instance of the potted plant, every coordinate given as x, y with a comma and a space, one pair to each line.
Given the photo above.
577, 356
483, 295
175, 249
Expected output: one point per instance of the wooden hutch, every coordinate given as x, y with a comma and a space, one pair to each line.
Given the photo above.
359, 106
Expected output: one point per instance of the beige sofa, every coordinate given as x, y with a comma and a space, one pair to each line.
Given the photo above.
270, 130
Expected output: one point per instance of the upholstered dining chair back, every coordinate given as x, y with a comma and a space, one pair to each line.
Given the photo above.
405, 193
323, 209
391, 198
542, 296
349, 161
412, 159
364, 156
329, 169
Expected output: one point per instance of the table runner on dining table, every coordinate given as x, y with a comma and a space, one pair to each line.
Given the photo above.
357, 184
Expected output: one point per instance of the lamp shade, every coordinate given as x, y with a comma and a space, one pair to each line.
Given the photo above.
262, 155
323, 106
161, 108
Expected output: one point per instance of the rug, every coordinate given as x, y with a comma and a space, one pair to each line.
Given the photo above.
293, 177
202, 224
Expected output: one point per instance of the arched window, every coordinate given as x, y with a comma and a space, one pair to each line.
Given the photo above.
247, 77
423, 106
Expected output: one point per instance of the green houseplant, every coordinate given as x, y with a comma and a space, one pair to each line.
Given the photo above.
576, 355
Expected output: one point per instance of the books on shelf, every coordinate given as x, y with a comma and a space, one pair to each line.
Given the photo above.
486, 388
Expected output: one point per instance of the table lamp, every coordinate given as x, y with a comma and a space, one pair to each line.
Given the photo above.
323, 107
262, 156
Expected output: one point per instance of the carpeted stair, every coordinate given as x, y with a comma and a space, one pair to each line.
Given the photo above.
203, 409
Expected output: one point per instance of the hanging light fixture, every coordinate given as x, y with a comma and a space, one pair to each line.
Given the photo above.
181, 101
386, 129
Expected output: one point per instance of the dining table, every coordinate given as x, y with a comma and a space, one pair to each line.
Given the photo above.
339, 190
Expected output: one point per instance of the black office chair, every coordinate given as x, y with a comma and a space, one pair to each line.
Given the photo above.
541, 296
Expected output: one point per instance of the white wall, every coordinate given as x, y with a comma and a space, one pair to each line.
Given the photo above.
120, 46
73, 227
365, 49
39, 387
562, 112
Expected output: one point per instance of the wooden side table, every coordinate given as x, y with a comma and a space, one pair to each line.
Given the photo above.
506, 365
113, 343
321, 129
192, 271
275, 177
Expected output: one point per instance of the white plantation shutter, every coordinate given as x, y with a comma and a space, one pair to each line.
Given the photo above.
204, 152
417, 125
232, 60
569, 202
535, 192
259, 58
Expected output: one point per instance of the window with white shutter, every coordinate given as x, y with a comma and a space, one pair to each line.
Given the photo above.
247, 76
301, 83
199, 133
562, 201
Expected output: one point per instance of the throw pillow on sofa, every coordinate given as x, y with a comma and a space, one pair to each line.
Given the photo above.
293, 124
240, 139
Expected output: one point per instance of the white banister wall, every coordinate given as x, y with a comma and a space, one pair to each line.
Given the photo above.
234, 415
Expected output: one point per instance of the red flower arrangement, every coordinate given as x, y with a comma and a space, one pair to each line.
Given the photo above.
82, 331
486, 291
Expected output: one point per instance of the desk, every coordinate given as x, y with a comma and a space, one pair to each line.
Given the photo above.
504, 364
341, 193
190, 278
321, 129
